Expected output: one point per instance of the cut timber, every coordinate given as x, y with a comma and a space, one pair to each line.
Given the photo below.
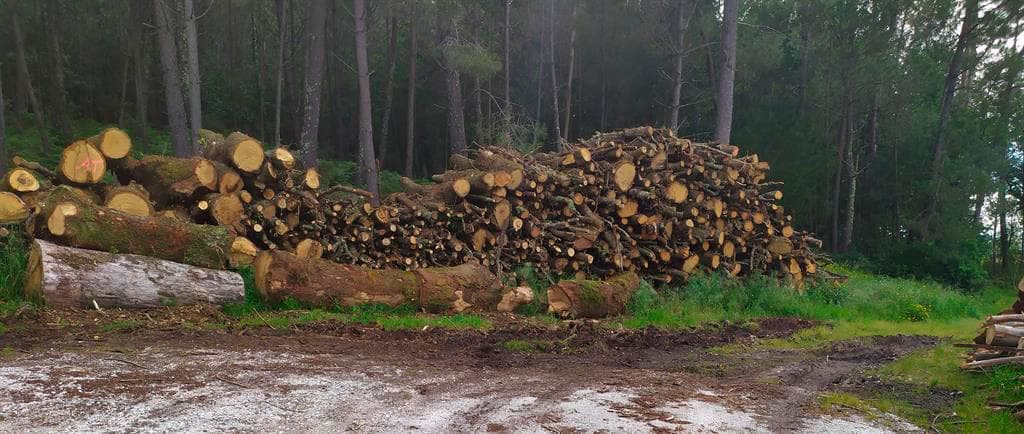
113, 143
780, 246
676, 192
70, 277
624, 175
309, 248
73, 221
281, 158
229, 180
12, 208
311, 179
243, 252
592, 298
82, 163
318, 282
20, 180
1003, 335
210, 139
130, 199
514, 298
171, 181
239, 151
226, 209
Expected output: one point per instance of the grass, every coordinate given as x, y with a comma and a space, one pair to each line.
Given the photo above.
13, 261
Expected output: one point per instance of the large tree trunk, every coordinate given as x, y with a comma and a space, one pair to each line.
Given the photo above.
68, 218
453, 85
723, 124
3, 126
410, 109
195, 102
967, 28
389, 88
22, 63
279, 78
314, 83
682, 23
172, 85
319, 282
170, 181
60, 101
70, 277
592, 298
367, 161
556, 144
572, 70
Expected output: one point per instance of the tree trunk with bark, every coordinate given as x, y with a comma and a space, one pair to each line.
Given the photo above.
172, 84
22, 63
410, 108
556, 144
314, 83
967, 28
507, 67
279, 78
389, 88
3, 125
572, 69
195, 102
727, 80
367, 161
851, 173
60, 101
592, 298
1004, 235
682, 23
140, 69
453, 85
70, 277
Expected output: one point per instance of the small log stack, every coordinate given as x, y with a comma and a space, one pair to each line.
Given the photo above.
1001, 342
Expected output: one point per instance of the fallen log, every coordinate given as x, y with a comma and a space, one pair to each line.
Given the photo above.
113, 143
319, 282
82, 163
69, 277
12, 208
592, 298
68, 218
170, 180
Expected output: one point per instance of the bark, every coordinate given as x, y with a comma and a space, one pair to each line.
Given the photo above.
851, 172
22, 64
967, 28
70, 277
557, 142
389, 88
141, 76
60, 101
279, 80
367, 161
805, 37
172, 84
1004, 235
727, 79
410, 110
314, 82
122, 107
572, 67
195, 102
12, 208
682, 23
318, 282
837, 188
65, 217
170, 181
507, 65
453, 86
3, 125
592, 298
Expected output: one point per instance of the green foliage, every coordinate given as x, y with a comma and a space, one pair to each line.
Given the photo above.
959, 263
338, 172
474, 60
14, 248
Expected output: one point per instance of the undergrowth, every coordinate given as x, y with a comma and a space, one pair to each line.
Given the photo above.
13, 261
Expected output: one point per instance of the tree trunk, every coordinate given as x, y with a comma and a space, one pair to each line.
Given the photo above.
557, 142
456, 119
279, 80
314, 83
592, 298
805, 37
572, 68
507, 66
60, 101
389, 88
70, 277
195, 102
723, 124
837, 188
851, 170
22, 63
141, 76
367, 161
319, 282
3, 125
1004, 235
410, 109
952, 78
66, 217
172, 85
682, 23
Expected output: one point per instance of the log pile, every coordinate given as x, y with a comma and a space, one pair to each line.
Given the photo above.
637, 203
1001, 342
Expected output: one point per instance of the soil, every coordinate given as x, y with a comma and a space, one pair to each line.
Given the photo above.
182, 369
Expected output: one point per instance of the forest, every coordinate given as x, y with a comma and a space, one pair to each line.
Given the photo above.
895, 124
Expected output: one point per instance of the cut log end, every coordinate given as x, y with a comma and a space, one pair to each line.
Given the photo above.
114, 143
243, 252
129, 202
82, 163
21, 181
56, 224
12, 208
624, 175
311, 179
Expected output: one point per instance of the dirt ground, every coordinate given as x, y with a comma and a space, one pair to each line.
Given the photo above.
66, 371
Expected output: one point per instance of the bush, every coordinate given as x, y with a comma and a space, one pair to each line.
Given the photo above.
959, 264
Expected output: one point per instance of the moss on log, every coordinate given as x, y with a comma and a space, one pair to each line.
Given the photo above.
592, 298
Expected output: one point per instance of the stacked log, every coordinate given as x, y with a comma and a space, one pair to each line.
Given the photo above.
1001, 340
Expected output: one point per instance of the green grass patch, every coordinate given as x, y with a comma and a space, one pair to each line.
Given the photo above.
14, 248
387, 318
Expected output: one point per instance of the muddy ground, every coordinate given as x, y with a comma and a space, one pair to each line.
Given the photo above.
73, 371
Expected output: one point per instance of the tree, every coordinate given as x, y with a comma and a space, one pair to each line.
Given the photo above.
682, 22
3, 125
195, 102
410, 113
726, 82
967, 28
279, 80
389, 86
572, 65
60, 102
22, 63
140, 69
507, 65
557, 141
314, 80
172, 85
368, 163
456, 119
